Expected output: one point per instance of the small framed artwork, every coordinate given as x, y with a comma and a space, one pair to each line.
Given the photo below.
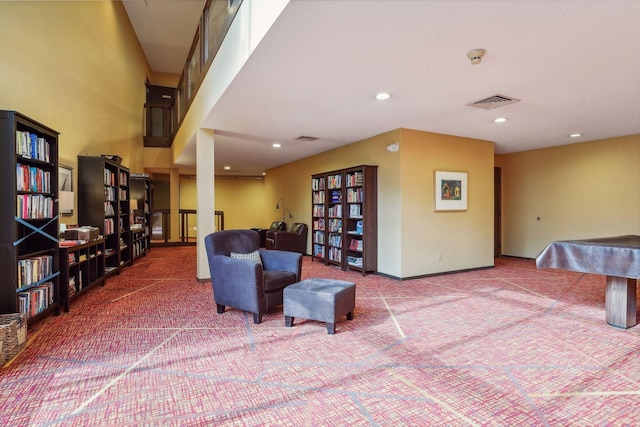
65, 186
450, 191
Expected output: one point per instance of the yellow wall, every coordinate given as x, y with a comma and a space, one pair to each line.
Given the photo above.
579, 191
464, 239
242, 201
410, 234
78, 68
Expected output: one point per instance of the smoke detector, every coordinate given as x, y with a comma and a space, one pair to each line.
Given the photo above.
476, 55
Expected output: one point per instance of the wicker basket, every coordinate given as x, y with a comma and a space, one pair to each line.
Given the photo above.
13, 331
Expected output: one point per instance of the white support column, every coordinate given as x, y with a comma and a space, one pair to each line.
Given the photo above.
205, 194
174, 205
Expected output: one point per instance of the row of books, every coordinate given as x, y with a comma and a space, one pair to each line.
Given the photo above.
355, 179
32, 270
110, 194
31, 146
123, 178
36, 299
355, 245
109, 226
335, 181
355, 210
72, 285
318, 251
355, 195
34, 206
335, 225
108, 209
335, 211
335, 240
110, 178
31, 178
138, 248
335, 254
318, 210
318, 237
123, 194
318, 197
318, 224
318, 184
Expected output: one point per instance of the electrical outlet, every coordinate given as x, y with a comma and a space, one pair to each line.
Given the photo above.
438, 257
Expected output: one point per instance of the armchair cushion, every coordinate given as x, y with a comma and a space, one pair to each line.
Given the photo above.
251, 256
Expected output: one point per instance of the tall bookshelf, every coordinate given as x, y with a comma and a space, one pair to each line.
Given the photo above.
103, 202
142, 191
28, 217
344, 218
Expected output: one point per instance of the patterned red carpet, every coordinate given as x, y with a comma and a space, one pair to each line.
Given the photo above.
509, 346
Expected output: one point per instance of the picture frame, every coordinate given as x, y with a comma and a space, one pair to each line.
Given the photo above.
450, 191
65, 187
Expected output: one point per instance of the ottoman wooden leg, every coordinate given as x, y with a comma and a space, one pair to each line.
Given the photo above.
288, 321
350, 315
331, 328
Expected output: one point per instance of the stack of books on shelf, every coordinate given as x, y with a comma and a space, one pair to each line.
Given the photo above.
335, 254
108, 226
355, 179
72, 285
354, 261
355, 210
36, 299
356, 245
31, 178
34, 206
335, 240
32, 270
335, 181
109, 179
31, 146
318, 251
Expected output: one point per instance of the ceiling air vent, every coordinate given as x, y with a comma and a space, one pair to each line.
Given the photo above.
494, 101
306, 138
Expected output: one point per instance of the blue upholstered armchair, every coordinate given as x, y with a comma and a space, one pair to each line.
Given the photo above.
243, 280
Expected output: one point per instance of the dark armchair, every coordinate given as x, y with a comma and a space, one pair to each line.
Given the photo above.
244, 284
294, 240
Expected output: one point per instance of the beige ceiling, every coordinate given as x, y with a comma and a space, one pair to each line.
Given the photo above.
575, 66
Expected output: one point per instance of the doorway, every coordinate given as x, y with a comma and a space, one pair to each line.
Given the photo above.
497, 215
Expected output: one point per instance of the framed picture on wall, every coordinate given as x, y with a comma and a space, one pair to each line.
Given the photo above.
65, 185
450, 191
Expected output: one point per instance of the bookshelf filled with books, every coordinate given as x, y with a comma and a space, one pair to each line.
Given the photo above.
81, 267
103, 202
28, 217
344, 216
318, 210
141, 193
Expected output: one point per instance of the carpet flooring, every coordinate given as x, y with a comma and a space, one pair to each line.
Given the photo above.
508, 346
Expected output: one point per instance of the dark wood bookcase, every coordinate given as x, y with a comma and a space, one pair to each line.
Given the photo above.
344, 213
28, 217
142, 191
103, 202
81, 268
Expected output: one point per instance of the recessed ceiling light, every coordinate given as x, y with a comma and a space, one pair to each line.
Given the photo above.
500, 120
227, 168
575, 135
383, 96
276, 145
